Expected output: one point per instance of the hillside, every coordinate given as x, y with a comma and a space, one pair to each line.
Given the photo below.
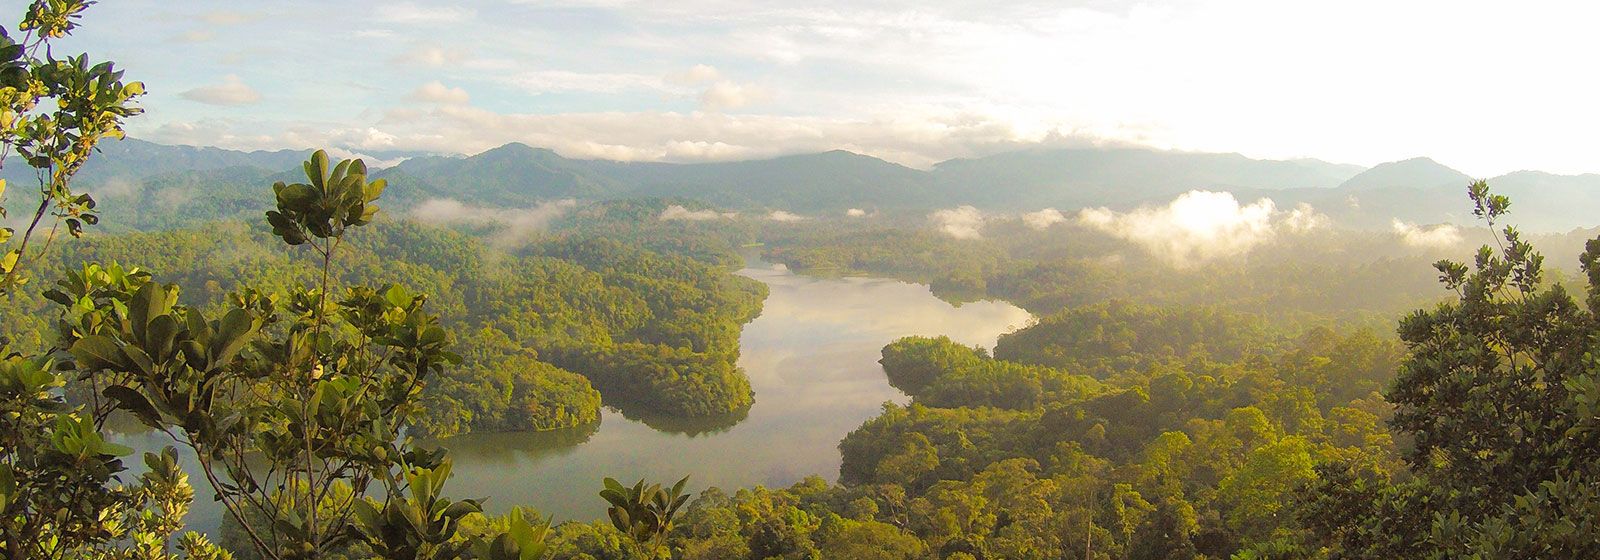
168, 186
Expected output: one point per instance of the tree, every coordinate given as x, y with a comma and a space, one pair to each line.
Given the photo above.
53, 113
59, 490
1500, 393
645, 513
295, 406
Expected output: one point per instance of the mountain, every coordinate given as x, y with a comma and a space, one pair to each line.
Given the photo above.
1549, 202
513, 174
1414, 173
1070, 178
131, 160
149, 185
520, 175
828, 181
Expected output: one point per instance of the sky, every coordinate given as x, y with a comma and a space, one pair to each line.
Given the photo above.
1485, 87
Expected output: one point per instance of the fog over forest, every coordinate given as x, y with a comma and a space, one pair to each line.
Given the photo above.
617, 280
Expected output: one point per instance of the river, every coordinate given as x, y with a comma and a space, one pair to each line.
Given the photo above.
812, 357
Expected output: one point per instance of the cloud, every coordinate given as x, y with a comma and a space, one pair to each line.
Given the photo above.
1043, 219
437, 92
961, 222
784, 216
678, 212
566, 81
227, 17
426, 54
711, 136
697, 74
232, 91
1200, 226
411, 12
195, 36
115, 187
728, 95
1442, 235
1304, 218
517, 224
372, 162
856, 213
932, 135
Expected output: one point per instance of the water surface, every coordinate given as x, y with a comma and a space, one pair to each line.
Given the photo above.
812, 357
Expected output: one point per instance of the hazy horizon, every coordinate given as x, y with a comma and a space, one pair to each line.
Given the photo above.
908, 83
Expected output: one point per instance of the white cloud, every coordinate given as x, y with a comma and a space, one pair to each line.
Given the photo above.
227, 17
427, 54
1169, 74
1199, 226
1304, 218
709, 136
437, 92
622, 136
195, 36
961, 222
855, 213
115, 187
232, 91
1043, 219
1441, 235
411, 12
559, 81
372, 162
678, 212
728, 95
697, 74
517, 224
784, 216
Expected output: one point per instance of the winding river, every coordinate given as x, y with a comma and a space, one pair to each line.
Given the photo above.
812, 358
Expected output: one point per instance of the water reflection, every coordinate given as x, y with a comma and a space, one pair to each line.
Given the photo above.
692, 427
812, 360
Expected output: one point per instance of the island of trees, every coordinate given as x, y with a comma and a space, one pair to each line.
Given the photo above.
1331, 398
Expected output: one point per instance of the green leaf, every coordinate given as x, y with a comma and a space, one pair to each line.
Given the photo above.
98, 352
235, 330
135, 402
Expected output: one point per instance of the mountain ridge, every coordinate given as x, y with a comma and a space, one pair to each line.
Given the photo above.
518, 175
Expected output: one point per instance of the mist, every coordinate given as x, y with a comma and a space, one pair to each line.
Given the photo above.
678, 212
1200, 226
1440, 235
516, 225
961, 222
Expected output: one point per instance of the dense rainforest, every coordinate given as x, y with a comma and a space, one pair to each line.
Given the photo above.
1320, 396
656, 334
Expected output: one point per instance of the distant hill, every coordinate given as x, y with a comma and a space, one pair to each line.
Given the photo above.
1414, 173
514, 174
131, 160
160, 185
518, 174
1071, 178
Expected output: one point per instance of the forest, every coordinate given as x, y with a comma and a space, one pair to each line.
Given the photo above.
311, 341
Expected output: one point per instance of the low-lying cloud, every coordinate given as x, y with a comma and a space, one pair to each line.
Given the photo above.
784, 216
517, 224
1043, 219
677, 212
1441, 235
1200, 226
961, 222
